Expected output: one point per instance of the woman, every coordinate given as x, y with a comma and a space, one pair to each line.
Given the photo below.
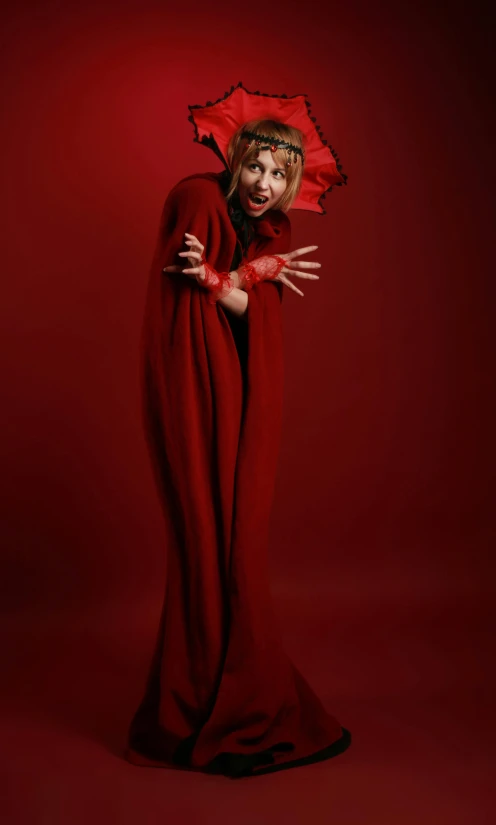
222, 696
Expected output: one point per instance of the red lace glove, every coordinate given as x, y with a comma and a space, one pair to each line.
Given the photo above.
219, 284
266, 268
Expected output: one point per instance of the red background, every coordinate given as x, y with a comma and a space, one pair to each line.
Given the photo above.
383, 523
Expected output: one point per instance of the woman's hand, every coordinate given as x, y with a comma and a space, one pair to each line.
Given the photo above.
277, 268
217, 284
195, 258
293, 267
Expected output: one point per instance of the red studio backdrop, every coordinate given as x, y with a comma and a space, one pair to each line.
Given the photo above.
383, 517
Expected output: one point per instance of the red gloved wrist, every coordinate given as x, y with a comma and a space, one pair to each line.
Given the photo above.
218, 284
266, 268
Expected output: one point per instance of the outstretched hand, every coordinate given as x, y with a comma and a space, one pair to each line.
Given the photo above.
293, 267
195, 259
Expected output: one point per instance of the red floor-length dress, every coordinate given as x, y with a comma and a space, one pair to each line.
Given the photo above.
222, 695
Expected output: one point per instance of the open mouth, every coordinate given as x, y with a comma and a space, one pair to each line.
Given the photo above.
257, 200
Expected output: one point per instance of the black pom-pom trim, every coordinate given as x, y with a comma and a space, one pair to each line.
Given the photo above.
210, 141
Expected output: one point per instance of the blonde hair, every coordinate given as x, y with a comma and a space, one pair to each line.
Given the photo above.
237, 156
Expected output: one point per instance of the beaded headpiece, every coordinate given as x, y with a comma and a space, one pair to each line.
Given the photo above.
273, 144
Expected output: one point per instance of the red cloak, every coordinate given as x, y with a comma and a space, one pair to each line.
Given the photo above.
222, 696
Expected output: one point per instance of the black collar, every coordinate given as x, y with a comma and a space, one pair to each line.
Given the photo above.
241, 222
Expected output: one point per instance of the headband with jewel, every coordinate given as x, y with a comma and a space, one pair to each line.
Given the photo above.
273, 144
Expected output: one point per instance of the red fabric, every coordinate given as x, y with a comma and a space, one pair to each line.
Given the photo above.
266, 268
220, 680
220, 120
219, 284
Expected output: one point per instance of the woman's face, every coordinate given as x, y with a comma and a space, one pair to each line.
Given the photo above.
261, 179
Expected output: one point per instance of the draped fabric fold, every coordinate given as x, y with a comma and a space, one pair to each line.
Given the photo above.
221, 696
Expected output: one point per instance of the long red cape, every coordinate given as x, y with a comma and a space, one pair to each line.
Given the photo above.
222, 695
